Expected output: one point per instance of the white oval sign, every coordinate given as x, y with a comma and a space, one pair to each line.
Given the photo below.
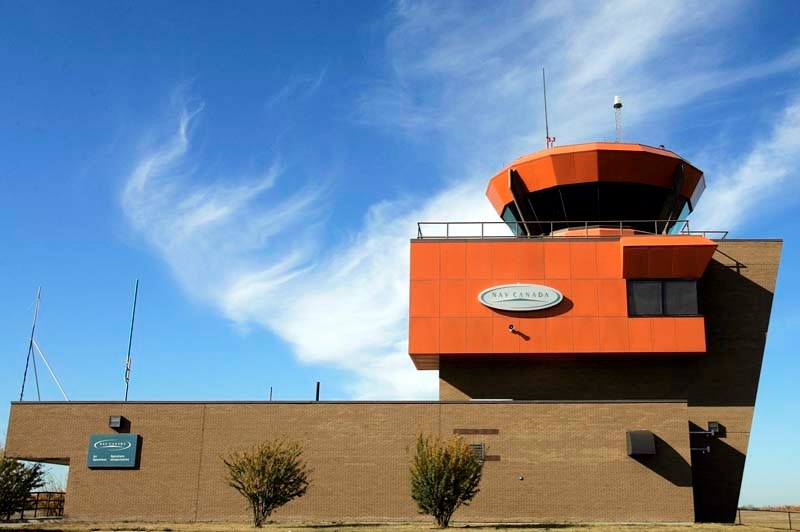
112, 445
520, 297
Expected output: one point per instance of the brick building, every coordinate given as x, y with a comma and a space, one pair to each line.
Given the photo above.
603, 358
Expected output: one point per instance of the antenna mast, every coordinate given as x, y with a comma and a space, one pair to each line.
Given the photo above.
30, 343
618, 117
549, 141
130, 341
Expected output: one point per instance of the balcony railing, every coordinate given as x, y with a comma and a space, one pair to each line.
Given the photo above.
557, 229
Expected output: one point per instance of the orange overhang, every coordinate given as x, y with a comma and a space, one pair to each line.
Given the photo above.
665, 257
594, 162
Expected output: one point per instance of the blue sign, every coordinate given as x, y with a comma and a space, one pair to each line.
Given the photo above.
113, 450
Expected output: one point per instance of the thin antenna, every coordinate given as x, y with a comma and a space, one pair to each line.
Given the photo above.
52, 374
30, 343
270, 393
130, 341
618, 117
549, 141
36, 377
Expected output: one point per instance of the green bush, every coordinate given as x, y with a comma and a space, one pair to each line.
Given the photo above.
268, 476
444, 475
17, 481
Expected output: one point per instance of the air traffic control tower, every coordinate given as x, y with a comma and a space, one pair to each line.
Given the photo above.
594, 288
598, 354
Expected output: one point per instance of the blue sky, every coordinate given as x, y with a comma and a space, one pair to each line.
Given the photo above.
260, 167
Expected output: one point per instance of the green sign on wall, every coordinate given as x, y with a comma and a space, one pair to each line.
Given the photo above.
113, 450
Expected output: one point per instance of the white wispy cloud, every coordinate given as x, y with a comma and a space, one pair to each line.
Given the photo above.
740, 187
298, 88
469, 74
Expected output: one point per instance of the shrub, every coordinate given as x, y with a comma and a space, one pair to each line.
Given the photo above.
444, 475
17, 481
268, 476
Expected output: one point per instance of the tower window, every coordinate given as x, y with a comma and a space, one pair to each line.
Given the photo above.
662, 297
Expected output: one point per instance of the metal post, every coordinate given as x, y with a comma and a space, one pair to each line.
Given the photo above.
270, 393
317, 390
30, 343
790, 520
739, 511
130, 341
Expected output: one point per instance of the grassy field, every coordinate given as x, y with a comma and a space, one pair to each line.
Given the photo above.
67, 526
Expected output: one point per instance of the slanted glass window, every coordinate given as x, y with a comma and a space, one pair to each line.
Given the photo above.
644, 298
662, 298
510, 217
680, 298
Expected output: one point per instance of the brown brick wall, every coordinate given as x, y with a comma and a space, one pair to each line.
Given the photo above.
571, 457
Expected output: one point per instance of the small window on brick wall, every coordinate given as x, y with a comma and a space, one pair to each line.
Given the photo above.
478, 449
662, 298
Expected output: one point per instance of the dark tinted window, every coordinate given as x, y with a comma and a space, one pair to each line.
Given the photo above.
644, 298
662, 298
680, 298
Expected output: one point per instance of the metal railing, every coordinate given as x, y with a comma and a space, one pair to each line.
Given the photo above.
42, 504
778, 519
557, 229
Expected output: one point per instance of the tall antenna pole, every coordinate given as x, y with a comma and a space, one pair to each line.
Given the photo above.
30, 343
618, 117
130, 341
547, 140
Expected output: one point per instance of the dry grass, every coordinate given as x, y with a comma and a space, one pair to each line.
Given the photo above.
67, 526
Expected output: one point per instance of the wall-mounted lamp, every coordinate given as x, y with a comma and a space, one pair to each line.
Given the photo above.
640, 442
119, 423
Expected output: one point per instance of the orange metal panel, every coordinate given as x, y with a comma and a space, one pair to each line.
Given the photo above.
504, 260
583, 259
424, 299
690, 334
423, 335
634, 263
479, 335
452, 298
659, 262
453, 260
640, 335
663, 330
614, 335
452, 335
612, 297
557, 260
535, 335
609, 260
586, 335
424, 260
479, 260
531, 260
559, 335
473, 307
684, 262
503, 341
584, 298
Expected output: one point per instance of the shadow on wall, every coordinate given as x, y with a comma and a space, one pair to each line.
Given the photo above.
667, 463
737, 312
716, 476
